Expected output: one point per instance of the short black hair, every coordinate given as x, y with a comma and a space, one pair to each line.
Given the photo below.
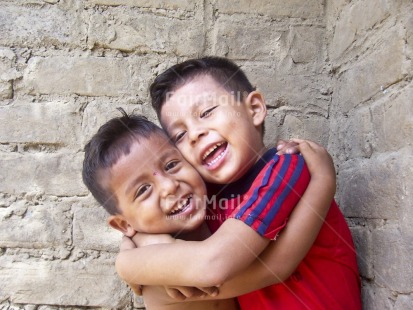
222, 70
112, 141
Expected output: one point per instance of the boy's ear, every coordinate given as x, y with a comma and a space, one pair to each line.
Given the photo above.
256, 104
119, 223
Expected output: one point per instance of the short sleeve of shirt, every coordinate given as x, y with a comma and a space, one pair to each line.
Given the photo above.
275, 192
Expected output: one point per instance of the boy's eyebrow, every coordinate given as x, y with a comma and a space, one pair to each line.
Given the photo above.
192, 110
132, 184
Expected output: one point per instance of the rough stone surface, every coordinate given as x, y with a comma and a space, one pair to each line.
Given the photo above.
28, 224
395, 248
41, 123
389, 134
354, 20
362, 243
187, 5
98, 112
95, 76
60, 282
278, 8
125, 30
366, 184
338, 72
91, 232
370, 139
53, 174
40, 24
366, 78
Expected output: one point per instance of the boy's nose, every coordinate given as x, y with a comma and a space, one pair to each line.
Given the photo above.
168, 186
196, 134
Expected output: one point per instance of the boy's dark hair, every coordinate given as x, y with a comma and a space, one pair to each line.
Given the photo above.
222, 70
113, 140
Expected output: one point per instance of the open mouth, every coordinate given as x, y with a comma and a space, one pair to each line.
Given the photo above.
214, 153
181, 206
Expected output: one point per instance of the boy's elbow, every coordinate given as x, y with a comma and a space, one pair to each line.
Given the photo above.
213, 278
120, 265
215, 273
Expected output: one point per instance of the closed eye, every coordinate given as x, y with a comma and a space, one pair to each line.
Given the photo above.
179, 136
207, 112
172, 164
142, 190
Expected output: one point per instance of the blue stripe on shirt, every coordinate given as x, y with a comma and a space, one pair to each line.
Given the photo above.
254, 196
268, 195
280, 200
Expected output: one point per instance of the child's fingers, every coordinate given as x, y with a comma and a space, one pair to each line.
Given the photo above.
286, 147
211, 291
184, 292
310, 143
305, 146
175, 293
281, 144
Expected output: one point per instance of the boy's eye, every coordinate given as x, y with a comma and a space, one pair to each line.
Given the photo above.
207, 112
179, 136
142, 190
171, 165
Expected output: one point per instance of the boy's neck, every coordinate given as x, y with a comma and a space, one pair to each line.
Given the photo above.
199, 234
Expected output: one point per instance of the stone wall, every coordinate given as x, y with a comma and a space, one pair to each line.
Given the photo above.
338, 72
370, 47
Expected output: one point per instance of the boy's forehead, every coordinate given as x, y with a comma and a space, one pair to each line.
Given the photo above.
187, 100
154, 146
203, 86
144, 154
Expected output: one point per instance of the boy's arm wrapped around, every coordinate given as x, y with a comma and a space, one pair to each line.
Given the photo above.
274, 265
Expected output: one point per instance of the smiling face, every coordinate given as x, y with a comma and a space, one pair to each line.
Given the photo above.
219, 135
156, 189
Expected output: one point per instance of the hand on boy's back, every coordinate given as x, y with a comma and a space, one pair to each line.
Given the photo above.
318, 160
287, 147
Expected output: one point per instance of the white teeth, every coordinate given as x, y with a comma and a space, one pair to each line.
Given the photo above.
180, 206
216, 159
211, 149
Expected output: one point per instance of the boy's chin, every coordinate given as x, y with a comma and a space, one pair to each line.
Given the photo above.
194, 224
214, 179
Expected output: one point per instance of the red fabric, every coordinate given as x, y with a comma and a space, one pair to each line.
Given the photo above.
328, 276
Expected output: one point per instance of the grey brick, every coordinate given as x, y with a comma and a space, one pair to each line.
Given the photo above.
49, 173
41, 123
364, 185
159, 4
91, 231
40, 25
275, 8
28, 225
145, 33
84, 283
366, 77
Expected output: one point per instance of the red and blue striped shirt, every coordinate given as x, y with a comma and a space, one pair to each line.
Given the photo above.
327, 278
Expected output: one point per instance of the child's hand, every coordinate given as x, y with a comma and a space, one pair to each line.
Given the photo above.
318, 160
142, 239
287, 147
184, 292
